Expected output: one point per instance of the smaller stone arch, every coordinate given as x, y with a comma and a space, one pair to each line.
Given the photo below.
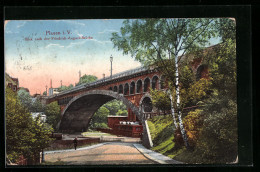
132, 87
115, 88
145, 104
147, 84
126, 89
202, 72
139, 86
162, 82
155, 82
120, 89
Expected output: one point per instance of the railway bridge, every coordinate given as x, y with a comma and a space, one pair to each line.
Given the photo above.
132, 87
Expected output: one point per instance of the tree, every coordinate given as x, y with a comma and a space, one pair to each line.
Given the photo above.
24, 136
152, 41
63, 88
116, 107
44, 93
25, 98
52, 112
87, 79
36, 106
99, 119
160, 100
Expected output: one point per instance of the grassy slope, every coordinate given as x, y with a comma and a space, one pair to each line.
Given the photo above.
161, 129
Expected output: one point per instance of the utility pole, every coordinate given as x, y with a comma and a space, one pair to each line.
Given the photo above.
111, 60
79, 76
60, 83
46, 90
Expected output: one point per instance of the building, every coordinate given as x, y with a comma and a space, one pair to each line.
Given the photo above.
39, 114
53, 91
11, 82
125, 125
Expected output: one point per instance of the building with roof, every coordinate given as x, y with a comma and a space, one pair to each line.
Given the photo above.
11, 82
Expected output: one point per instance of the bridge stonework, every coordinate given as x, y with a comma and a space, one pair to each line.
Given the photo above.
79, 104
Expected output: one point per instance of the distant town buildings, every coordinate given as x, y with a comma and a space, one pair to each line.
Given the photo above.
41, 115
53, 91
11, 82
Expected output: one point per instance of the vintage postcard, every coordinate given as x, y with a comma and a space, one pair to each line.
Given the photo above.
121, 91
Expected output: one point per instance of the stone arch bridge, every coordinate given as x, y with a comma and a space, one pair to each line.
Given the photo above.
132, 87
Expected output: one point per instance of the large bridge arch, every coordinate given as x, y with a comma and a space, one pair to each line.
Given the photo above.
79, 111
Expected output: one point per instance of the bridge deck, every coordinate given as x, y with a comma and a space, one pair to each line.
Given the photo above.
103, 80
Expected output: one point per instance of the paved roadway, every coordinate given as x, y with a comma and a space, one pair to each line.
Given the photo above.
109, 153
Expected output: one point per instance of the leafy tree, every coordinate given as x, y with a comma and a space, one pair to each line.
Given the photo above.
116, 107
63, 87
152, 41
218, 138
99, 119
25, 98
87, 79
52, 112
122, 112
24, 135
44, 93
37, 106
160, 100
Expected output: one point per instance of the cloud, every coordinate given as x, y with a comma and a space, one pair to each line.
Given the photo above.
73, 22
107, 31
54, 45
100, 42
21, 24
72, 44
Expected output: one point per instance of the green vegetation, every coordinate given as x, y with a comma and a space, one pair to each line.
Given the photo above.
174, 47
52, 112
161, 129
114, 107
87, 79
25, 136
64, 88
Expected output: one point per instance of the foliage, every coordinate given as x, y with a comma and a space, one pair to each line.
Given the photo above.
87, 79
160, 100
152, 41
52, 112
24, 135
218, 138
25, 98
161, 133
99, 119
64, 88
193, 123
44, 93
162, 43
122, 112
37, 106
116, 107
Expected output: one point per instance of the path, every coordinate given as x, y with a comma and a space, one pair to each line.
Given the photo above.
107, 153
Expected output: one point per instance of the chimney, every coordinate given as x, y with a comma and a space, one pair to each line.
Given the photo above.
103, 75
51, 84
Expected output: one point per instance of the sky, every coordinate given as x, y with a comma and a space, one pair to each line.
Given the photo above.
34, 57
35, 62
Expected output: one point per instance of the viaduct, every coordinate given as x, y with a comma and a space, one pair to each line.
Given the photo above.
79, 104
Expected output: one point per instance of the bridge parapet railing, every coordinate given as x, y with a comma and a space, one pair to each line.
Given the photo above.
103, 80
150, 115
